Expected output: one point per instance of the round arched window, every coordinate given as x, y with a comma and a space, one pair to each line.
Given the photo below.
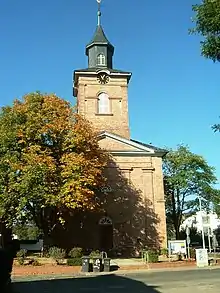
103, 103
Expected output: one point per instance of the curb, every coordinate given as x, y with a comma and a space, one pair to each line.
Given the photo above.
118, 273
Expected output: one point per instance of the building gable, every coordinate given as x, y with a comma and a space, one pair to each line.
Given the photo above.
117, 144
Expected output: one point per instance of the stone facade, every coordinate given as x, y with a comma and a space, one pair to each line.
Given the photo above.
135, 175
133, 203
143, 170
116, 120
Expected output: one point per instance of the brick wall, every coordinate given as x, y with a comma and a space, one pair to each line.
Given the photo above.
117, 120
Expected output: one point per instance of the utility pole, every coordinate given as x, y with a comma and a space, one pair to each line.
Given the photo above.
203, 236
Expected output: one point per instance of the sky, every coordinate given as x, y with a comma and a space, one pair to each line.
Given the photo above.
174, 91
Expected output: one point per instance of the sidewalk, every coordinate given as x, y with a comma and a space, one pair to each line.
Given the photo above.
118, 273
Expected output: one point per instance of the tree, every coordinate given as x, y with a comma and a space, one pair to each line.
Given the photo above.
27, 231
186, 175
207, 25
50, 161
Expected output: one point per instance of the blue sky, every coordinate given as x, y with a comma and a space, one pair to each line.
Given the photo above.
174, 92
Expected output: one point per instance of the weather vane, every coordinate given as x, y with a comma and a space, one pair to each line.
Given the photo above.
99, 11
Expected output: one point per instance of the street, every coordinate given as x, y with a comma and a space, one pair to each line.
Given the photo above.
195, 281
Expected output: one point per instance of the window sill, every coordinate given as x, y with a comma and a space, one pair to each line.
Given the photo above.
104, 114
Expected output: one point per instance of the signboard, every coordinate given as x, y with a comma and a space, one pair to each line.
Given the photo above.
177, 247
202, 258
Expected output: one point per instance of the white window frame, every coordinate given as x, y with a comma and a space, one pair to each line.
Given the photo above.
101, 59
103, 103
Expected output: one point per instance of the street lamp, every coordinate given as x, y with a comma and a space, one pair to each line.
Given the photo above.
200, 208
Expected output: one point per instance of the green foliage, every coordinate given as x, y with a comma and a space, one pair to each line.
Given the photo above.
192, 253
50, 161
22, 253
76, 252
207, 25
21, 256
58, 254
26, 231
186, 175
152, 256
36, 263
164, 251
95, 253
74, 261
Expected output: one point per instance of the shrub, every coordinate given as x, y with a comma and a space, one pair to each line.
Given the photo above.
21, 255
164, 251
95, 253
36, 263
152, 256
74, 261
76, 252
58, 254
192, 253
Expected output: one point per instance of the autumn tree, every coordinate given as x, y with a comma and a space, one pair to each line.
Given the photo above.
207, 25
50, 161
186, 176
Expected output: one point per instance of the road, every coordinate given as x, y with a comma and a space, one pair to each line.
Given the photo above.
195, 281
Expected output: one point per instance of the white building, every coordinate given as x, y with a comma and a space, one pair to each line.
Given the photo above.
209, 220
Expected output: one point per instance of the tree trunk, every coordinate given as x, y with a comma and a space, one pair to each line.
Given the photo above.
6, 235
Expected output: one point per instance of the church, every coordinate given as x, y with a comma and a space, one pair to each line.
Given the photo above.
133, 198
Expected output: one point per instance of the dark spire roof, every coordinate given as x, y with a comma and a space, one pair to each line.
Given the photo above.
99, 38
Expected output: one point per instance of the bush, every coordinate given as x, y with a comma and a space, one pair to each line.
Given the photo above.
95, 253
21, 255
192, 253
74, 261
58, 254
164, 251
36, 263
76, 252
153, 256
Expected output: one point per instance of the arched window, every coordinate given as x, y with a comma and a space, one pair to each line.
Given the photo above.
101, 59
103, 103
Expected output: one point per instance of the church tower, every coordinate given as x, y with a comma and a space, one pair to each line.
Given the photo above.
101, 90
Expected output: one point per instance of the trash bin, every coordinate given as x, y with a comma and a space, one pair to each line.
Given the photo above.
97, 262
107, 264
85, 264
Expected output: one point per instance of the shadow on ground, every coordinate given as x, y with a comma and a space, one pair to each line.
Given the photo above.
99, 284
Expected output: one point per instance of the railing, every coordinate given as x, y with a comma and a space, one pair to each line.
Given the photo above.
104, 254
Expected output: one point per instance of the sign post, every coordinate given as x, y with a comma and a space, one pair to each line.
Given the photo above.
188, 240
202, 258
214, 244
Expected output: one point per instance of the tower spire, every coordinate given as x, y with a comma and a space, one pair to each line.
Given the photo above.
99, 12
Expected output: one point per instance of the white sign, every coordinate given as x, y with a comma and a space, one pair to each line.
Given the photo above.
177, 247
202, 258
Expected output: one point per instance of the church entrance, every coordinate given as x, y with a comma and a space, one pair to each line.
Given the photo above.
105, 234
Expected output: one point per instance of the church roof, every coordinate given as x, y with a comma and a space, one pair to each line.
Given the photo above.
97, 69
150, 146
141, 148
99, 38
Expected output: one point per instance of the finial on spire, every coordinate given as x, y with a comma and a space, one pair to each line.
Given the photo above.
99, 12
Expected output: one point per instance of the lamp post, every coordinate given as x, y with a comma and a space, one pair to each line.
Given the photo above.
200, 208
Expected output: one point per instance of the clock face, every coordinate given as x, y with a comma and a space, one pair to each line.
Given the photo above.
103, 78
